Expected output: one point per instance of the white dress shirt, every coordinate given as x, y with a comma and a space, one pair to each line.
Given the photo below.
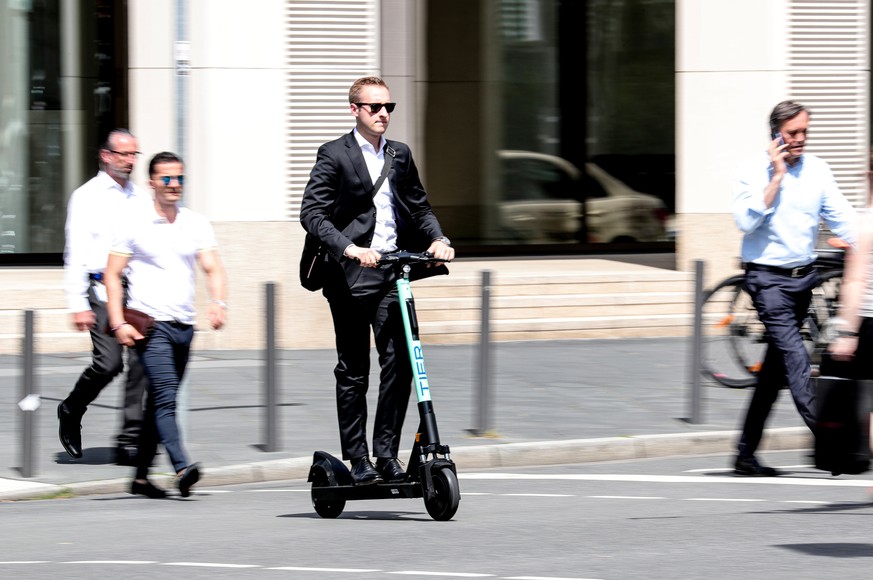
385, 234
92, 212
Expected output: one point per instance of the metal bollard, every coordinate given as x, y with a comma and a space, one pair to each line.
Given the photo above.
29, 401
696, 415
271, 397
483, 402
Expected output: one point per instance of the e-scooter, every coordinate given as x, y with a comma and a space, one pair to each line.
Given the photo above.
431, 472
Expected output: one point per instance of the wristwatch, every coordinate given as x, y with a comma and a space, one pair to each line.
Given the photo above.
444, 240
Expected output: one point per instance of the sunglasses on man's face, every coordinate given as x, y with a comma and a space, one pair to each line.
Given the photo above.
376, 107
168, 178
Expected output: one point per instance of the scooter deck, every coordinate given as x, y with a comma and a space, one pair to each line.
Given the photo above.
373, 491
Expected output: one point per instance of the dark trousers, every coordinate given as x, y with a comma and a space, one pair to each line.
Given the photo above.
106, 364
353, 317
782, 303
164, 358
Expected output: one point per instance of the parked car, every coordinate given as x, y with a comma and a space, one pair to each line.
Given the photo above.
545, 199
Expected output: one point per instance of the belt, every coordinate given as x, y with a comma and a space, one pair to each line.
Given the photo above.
98, 277
798, 272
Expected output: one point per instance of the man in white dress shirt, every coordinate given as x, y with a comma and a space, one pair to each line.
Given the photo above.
92, 211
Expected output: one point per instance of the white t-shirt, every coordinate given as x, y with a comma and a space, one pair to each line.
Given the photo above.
163, 259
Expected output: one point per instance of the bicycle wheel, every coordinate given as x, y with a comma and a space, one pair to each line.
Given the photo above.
734, 340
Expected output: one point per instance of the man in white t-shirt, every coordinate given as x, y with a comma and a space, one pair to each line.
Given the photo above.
160, 250
92, 210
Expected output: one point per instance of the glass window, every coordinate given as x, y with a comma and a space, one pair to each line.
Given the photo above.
62, 88
563, 116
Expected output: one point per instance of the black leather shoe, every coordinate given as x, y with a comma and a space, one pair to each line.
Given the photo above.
391, 469
749, 466
190, 476
70, 431
126, 455
363, 472
147, 489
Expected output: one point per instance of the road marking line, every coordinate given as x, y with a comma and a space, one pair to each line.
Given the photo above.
672, 479
625, 497
278, 490
721, 499
305, 569
545, 578
210, 565
537, 495
731, 469
138, 562
452, 574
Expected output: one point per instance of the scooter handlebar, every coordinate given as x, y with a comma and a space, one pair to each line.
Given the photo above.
401, 257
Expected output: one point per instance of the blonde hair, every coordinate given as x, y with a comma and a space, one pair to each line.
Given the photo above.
358, 86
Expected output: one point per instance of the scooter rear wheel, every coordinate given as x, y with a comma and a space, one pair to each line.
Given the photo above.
326, 509
444, 503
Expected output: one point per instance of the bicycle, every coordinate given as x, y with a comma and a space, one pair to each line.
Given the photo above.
735, 340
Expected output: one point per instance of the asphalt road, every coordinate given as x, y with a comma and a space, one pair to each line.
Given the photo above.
684, 517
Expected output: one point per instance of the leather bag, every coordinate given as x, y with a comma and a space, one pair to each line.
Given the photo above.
142, 322
312, 264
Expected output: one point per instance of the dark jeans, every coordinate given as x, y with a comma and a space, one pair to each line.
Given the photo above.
782, 303
352, 318
106, 364
164, 359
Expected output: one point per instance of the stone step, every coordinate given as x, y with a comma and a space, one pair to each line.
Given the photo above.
554, 306
529, 300
522, 285
671, 325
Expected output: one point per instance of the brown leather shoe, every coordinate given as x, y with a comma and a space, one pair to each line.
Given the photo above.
363, 472
391, 469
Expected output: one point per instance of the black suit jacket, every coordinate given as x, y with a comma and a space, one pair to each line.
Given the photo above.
338, 207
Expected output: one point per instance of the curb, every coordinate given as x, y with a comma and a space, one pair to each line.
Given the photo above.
481, 457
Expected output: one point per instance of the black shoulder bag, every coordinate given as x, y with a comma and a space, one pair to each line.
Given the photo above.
313, 261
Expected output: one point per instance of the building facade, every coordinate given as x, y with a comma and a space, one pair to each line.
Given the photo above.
542, 127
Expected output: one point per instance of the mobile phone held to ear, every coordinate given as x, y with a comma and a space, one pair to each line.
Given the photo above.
777, 134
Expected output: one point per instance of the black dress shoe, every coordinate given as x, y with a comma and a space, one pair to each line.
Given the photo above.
147, 489
188, 478
126, 455
363, 472
70, 431
391, 469
749, 466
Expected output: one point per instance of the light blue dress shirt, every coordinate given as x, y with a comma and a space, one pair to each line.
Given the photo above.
785, 234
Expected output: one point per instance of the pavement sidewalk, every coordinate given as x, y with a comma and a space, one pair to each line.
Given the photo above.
553, 402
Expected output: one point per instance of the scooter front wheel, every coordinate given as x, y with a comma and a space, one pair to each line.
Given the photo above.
326, 509
443, 504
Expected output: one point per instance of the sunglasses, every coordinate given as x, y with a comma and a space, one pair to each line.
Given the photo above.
168, 178
376, 107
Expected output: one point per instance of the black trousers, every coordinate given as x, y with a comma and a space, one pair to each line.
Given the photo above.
106, 363
782, 303
353, 317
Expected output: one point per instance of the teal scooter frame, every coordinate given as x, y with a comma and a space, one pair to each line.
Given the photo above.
430, 473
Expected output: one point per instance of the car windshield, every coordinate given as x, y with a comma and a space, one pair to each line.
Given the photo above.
535, 179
